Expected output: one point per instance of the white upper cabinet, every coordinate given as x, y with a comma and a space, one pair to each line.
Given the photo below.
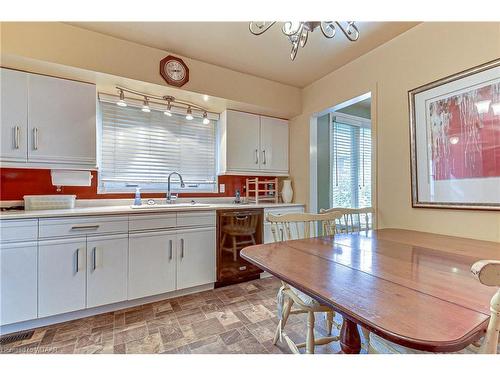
61, 121
252, 144
14, 115
47, 122
274, 144
242, 141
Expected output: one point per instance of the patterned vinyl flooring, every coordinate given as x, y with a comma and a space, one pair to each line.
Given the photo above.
235, 319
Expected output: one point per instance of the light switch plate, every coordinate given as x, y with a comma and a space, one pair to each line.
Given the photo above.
222, 188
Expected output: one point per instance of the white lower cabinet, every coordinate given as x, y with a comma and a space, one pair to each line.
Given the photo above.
107, 259
61, 276
196, 257
152, 267
18, 282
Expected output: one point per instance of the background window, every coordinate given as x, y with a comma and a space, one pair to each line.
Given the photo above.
139, 148
350, 152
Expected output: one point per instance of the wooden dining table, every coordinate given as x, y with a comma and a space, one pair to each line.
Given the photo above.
412, 288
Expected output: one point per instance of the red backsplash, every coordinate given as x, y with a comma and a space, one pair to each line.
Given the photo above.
17, 182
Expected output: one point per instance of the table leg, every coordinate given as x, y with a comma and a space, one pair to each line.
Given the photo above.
350, 341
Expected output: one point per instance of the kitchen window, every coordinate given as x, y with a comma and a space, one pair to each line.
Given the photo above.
139, 148
350, 152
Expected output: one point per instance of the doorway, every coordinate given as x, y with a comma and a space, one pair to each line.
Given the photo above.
342, 174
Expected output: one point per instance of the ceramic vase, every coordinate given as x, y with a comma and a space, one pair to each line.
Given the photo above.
287, 192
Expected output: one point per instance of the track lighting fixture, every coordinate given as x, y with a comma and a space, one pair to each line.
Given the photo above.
145, 105
121, 102
189, 114
168, 111
206, 121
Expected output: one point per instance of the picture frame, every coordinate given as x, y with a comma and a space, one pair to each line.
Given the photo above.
455, 140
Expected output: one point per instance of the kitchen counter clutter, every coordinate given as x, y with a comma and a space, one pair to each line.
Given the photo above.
63, 264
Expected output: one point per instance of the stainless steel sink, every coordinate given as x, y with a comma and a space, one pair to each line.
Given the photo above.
171, 205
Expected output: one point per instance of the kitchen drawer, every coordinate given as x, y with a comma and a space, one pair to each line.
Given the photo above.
196, 219
283, 210
152, 221
78, 226
18, 230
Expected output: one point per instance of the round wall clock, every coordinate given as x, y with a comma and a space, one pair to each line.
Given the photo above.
174, 71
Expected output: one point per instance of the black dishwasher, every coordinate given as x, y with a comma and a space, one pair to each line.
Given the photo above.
237, 229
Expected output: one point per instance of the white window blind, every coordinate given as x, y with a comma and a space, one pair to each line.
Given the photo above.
350, 152
139, 148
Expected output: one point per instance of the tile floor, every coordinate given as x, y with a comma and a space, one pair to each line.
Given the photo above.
235, 319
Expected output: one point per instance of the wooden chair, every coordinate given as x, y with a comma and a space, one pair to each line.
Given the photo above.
296, 226
488, 273
353, 219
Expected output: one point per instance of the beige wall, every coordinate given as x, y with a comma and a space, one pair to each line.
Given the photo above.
423, 54
71, 46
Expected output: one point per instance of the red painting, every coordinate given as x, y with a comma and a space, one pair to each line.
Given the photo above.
465, 134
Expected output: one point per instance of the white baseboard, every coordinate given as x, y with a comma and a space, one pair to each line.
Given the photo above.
36, 323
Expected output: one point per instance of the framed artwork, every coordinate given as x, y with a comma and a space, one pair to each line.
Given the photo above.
455, 140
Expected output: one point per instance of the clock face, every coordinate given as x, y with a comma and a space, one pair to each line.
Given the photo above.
175, 70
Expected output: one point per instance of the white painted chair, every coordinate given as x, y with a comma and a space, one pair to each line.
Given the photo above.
488, 273
291, 227
353, 219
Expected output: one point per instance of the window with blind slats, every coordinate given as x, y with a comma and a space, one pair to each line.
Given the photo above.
141, 149
350, 152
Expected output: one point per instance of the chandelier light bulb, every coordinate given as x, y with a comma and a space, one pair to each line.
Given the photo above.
206, 121
121, 102
189, 115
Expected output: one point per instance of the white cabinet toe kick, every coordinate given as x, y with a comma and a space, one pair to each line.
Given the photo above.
60, 269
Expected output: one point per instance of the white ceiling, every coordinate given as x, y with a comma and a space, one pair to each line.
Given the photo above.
230, 44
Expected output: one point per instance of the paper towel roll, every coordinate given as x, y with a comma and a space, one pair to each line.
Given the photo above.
70, 178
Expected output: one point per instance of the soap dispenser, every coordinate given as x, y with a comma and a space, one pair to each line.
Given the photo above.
137, 200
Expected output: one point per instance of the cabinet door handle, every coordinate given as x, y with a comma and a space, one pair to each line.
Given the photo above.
35, 138
256, 156
17, 130
84, 227
170, 253
94, 250
182, 248
77, 256
263, 156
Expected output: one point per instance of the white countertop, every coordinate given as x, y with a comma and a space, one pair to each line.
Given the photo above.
110, 209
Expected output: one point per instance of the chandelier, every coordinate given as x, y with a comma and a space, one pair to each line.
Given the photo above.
298, 31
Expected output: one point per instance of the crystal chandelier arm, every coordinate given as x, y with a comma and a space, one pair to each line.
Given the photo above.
351, 32
328, 29
259, 28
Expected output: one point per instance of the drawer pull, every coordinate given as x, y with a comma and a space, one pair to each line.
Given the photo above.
85, 227
182, 248
170, 254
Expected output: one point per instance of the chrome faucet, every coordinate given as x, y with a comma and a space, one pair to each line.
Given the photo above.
172, 197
